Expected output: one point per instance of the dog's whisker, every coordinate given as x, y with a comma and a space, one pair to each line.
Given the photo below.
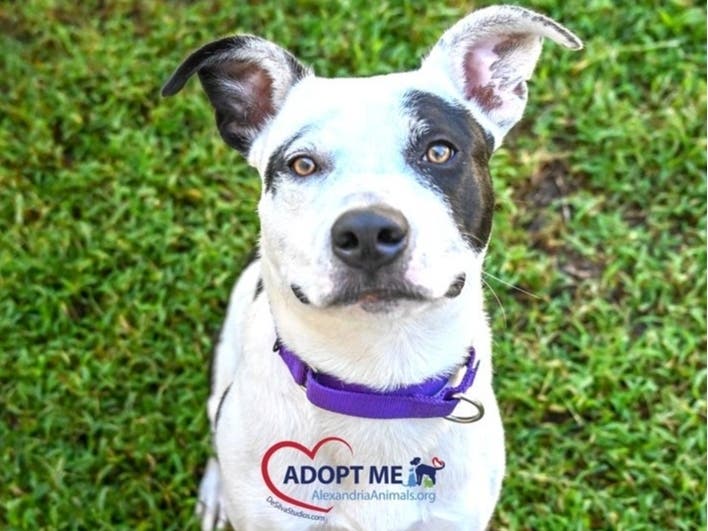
513, 286
494, 293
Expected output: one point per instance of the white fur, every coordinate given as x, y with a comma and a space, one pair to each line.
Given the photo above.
265, 406
361, 125
407, 345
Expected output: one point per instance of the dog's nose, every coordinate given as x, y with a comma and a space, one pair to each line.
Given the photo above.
369, 238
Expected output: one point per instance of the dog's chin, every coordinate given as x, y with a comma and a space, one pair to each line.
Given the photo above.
379, 297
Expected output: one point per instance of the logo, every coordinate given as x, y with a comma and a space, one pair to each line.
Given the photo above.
302, 479
309, 453
422, 473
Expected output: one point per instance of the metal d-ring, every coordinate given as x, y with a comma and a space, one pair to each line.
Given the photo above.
467, 420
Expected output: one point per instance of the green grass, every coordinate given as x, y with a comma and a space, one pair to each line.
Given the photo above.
124, 221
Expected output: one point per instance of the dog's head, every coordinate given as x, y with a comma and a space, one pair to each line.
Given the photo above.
415, 461
375, 190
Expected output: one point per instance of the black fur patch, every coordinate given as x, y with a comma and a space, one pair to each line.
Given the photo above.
277, 163
239, 86
297, 291
259, 288
464, 180
221, 403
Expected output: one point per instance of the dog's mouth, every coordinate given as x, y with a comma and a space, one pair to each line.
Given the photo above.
369, 296
456, 286
379, 296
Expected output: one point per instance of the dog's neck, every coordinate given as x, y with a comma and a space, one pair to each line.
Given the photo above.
413, 342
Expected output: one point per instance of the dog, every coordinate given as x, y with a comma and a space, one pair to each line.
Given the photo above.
376, 212
422, 470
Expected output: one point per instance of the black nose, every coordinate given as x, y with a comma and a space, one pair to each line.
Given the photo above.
369, 238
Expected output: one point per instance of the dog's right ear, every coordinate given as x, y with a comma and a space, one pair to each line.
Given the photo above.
246, 79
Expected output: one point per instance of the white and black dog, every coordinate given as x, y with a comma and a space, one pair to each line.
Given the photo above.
376, 211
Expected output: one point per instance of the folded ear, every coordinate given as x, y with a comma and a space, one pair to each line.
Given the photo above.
246, 79
489, 55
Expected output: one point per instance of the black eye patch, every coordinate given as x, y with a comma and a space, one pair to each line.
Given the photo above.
280, 160
463, 181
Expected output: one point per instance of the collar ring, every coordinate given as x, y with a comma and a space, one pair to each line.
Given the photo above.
470, 419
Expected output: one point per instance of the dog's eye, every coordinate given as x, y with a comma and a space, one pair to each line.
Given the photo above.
303, 166
439, 153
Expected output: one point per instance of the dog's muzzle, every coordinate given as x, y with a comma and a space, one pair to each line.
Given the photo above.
369, 238
371, 243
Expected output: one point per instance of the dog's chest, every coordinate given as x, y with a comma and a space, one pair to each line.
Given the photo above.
378, 484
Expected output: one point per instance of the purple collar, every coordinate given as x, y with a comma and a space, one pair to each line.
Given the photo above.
434, 397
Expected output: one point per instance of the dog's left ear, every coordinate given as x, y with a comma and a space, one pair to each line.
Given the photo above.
489, 55
246, 79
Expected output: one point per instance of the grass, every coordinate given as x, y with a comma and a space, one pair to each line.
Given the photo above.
124, 221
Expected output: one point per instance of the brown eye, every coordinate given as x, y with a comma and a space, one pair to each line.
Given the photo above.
303, 166
439, 153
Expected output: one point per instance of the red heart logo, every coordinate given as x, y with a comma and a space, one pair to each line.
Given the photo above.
309, 453
438, 463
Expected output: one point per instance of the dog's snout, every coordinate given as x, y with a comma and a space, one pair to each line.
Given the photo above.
369, 238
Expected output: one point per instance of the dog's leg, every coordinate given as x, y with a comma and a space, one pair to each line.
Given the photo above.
210, 505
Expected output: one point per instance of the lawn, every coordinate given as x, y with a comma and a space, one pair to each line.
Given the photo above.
124, 220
